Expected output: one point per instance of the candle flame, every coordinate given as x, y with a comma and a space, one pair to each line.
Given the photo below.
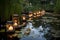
34, 13
24, 18
10, 28
30, 15
15, 24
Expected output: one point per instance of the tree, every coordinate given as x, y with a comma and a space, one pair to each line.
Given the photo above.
13, 6
57, 7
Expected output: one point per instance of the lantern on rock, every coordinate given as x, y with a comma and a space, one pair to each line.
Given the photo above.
30, 14
15, 19
23, 17
34, 15
9, 26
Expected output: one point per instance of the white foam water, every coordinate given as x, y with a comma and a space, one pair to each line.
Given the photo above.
35, 33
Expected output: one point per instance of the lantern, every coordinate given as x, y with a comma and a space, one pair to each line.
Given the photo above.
15, 16
9, 26
15, 19
23, 17
34, 13
34, 16
30, 15
39, 12
30, 18
15, 24
38, 15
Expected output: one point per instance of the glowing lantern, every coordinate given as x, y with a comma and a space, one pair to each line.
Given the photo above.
38, 15
15, 19
39, 12
30, 15
34, 16
10, 28
23, 17
34, 13
30, 18
15, 24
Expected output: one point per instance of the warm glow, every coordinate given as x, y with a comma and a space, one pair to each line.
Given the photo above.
10, 28
7, 26
24, 18
15, 24
39, 12
30, 18
30, 15
15, 21
38, 15
34, 16
34, 13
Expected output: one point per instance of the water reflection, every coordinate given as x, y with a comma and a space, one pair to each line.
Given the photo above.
34, 33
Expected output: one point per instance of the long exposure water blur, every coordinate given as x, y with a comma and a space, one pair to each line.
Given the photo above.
35, 33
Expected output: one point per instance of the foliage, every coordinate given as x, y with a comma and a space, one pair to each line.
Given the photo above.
57, 6
13, 6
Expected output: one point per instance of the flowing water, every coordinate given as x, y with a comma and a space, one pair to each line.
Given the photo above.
35, 33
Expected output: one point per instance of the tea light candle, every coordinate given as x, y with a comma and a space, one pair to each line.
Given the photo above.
15, 24
24, 18
10, 28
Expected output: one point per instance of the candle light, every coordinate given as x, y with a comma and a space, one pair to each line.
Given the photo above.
34, 16
15, 24
10, 28
34, 13
15, 21
38, 15
30, 15
24, 18
39, 12
30, 18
